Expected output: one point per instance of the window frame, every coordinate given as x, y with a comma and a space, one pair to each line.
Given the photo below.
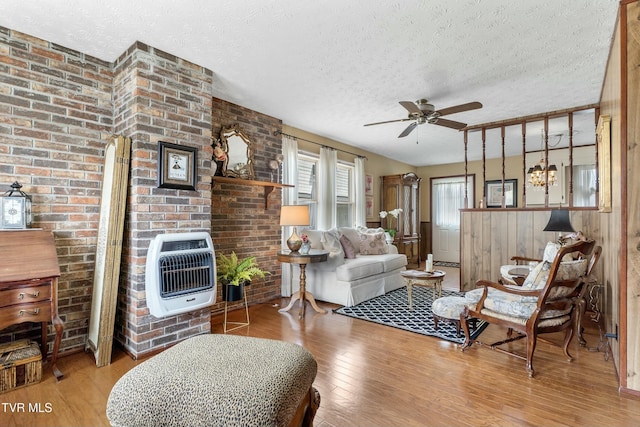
311, 198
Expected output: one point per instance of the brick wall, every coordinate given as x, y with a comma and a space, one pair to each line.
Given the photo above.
55, 117
240, 221
159, 97
58, 107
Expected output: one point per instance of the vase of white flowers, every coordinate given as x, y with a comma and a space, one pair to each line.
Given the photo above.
394, 213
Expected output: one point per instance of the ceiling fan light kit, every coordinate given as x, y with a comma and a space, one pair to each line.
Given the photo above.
422, 111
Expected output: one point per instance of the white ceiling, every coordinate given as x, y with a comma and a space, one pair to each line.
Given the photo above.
328, 67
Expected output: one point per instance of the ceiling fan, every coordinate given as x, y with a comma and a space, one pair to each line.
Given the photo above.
422, 112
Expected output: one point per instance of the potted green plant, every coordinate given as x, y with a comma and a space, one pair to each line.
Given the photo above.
234, 274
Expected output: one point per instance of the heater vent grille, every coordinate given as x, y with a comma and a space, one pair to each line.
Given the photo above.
181, 273
183, 245
185, 273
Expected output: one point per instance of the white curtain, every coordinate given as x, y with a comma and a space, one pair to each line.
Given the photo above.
290, 170
289, 197
359, 188
327, 210
584, 185
449, 199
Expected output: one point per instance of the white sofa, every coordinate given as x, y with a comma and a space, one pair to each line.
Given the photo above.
374, 270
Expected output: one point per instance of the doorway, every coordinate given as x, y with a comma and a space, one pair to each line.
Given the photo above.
447, 198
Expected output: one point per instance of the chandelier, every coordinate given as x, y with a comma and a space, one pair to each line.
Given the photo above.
541, 175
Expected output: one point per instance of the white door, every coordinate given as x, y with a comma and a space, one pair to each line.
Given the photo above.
447, 198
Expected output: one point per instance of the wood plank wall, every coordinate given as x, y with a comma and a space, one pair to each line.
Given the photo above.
490, 237
630, 197
610, 104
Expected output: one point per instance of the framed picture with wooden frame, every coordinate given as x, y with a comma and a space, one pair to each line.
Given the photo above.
369, 207
603, 132
177, 166
368, 185
493, 192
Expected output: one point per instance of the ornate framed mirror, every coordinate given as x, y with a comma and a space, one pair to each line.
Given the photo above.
238, 162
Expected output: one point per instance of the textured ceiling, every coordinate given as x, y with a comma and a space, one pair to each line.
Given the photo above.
328, 67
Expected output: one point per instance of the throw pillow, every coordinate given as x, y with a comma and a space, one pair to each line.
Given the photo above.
551, 250
353, 236
568, 270
387, 239
331, 243
365, 230
347, 247
372, 244
537, 276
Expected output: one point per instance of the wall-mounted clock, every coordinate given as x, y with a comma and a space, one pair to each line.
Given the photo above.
15, 208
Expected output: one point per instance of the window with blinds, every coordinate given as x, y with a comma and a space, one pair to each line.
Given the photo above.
344, 195
308, 184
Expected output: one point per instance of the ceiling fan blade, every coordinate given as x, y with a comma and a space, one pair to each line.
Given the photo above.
408, 130
411, 107
388, 121
460, 108
450, 124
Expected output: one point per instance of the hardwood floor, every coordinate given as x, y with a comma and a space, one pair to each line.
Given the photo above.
372, 375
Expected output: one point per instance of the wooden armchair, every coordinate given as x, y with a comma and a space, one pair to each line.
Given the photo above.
550, 300
516, 272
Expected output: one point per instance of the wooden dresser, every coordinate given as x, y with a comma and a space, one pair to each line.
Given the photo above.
29, 273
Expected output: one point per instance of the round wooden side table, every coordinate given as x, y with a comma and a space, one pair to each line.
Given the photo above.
303, 295
418, 277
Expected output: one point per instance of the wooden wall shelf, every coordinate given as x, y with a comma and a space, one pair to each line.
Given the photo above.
268, 186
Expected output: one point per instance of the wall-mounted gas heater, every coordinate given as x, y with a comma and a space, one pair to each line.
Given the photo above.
180, 274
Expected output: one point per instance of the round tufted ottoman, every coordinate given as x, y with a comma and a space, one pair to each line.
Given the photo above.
449, 309
214, 380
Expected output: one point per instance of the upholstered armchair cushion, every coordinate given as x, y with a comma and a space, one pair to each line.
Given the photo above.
518, 306
506, 305
545, 321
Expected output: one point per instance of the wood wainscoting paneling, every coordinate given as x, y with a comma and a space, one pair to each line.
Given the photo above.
425, 239
490, 237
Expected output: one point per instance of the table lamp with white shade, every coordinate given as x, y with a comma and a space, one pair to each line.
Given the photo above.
293, 216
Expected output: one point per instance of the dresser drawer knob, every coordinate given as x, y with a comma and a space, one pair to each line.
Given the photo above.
35, 294
34, 312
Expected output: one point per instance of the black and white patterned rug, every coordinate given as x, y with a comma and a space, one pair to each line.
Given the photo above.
392, 309
446, 264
